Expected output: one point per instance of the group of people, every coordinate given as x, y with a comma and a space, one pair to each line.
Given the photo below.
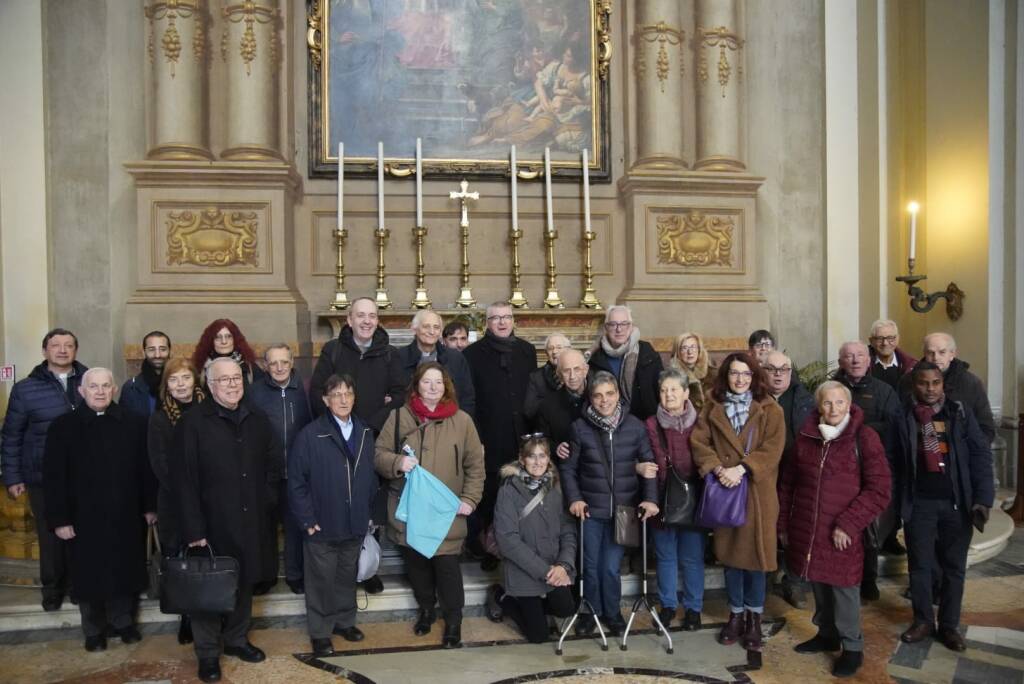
537, 459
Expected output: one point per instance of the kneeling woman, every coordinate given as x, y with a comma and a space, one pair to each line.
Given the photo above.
537, 540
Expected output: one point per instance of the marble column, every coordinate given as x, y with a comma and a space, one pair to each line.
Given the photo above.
251, 48
178, 50
658, 49
719, 73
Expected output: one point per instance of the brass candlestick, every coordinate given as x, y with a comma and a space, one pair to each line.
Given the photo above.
552, 300
517, 299
382, 299
589, 299
420, 300
340, 302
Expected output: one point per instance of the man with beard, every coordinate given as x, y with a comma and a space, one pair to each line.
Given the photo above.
620, 351
141, 393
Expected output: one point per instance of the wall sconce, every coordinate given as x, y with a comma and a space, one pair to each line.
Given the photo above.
919, 301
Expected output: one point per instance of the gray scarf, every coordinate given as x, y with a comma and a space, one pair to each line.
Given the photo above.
630, 353
737, 408
679, 423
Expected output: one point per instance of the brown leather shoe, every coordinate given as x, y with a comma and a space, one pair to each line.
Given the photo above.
919, 631
951, 639
732, 630
751, 639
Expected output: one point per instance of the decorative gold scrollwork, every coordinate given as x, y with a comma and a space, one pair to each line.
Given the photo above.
695, 239
314, 34
603, 9
724, 40
212, 238
252, 14
664, 35
170, 41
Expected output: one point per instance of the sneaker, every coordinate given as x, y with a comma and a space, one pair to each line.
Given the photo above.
848, 663
494, 611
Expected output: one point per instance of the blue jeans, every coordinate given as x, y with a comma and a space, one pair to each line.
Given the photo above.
746, 589
601, 560
678, 547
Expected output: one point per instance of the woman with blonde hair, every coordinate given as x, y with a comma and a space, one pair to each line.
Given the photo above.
689, 354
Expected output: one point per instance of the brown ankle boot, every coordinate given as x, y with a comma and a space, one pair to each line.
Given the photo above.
732, 630
751, 639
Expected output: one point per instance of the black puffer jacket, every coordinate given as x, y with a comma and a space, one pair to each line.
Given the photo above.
643, 402
961, 385
585, 475
878, 401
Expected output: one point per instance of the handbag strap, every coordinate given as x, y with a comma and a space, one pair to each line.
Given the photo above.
532, 503
153, 538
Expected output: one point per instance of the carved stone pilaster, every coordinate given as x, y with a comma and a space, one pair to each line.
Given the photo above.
719, 50
178, 49
659, 66
250, 45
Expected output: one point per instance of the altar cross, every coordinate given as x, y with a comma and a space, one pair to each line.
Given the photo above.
464, 196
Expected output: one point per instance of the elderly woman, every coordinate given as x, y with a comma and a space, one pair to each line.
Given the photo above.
442, 439
690, 354
740, 433
537, 542
330, 456
837, 484
223, 339
676, 546
179, 393
606, 445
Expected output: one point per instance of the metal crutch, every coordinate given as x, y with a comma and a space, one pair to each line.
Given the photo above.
584, 603
643, 602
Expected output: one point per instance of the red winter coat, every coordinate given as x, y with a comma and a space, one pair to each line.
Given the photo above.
825, 488
678, 455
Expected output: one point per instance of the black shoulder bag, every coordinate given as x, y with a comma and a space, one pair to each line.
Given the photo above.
681, 498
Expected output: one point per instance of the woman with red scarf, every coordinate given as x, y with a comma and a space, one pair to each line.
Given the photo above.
431, 432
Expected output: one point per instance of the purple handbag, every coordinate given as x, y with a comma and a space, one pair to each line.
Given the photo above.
722, 506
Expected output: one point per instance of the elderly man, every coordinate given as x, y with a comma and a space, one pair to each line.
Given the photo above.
426, 328
944, 482
141, 393
959, 384
881, 407
50, 390
889, 363
456, 335
361, 350
620, 351
226, 480
564, 405
544, 380
101, 493
500, 364
280, 394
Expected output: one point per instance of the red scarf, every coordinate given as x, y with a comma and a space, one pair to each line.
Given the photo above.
931, 449
444, 409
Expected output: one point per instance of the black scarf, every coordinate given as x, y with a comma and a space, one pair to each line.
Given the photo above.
505, 345
152, 377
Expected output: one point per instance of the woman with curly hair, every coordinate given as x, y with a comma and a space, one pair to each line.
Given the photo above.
223, 339
689, 354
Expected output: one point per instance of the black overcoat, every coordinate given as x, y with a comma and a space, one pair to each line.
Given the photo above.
225, 477
96, 477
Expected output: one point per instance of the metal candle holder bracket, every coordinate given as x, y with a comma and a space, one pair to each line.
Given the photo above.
420, 299
383, 301
923, 303
340, 302
552, 300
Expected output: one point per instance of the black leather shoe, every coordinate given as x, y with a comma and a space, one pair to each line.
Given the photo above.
585, 625
848, 663
247, 653
352, 633
424, 621
209, 669
130, 635
263, 588
297, 586
614, 625
452, 636
494, 611
817, 644
322, 647
666, 615
691, 621
374, 585
185, 630
95, 643
52, 603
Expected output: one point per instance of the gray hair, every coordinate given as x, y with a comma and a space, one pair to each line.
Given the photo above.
617, 307
417, 320
852, 343
883, 323
952, 342
554, 336
677, 374
277, 345
831, 385
602, 378
97, 369
222, 359
501, 304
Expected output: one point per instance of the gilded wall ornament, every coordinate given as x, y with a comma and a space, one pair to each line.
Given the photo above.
725, 41
314, 35
252, 14
695, 239
604, 37
664, 35
170, 40
212, 238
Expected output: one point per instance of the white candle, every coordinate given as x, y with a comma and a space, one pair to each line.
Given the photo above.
380, 185
547, 189
419, 183
515, 190
586, 191
913, 208
341, 184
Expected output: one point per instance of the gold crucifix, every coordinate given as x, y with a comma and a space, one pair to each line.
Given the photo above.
465, 300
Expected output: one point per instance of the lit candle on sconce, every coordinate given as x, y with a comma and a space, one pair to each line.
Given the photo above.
913, 208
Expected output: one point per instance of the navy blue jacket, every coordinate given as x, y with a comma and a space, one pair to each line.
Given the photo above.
404, 362
330, 483
287, 407
969, 454
34, 403
135, 397
585, 476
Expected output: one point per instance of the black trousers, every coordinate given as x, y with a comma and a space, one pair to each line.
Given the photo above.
208, 630
96, 615
54, 554
436, 578
331, 569
530, 612
932, 520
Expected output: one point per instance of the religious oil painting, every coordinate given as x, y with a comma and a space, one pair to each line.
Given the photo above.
469, 77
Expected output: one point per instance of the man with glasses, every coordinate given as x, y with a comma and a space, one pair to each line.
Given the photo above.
141, 393
881, 407
226, 482
889, 363
500, 364
634, 363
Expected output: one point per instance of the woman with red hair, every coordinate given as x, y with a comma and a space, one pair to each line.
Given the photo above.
223, 339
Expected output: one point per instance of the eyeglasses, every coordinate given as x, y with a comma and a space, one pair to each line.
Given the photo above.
224, 337
740, 374
532, 435
689, 348
341, 394
777, 371
763, 345
501, 318
617, 325
888, 339
226, 380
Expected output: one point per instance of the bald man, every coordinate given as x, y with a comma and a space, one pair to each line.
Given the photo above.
545, 379
561, 407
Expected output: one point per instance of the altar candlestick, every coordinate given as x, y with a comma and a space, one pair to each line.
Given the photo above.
515, 190
913, 207
419, 183
341, 184
547, 189
380, 185
586, 191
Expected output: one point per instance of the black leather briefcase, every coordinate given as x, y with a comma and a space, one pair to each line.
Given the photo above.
203, 583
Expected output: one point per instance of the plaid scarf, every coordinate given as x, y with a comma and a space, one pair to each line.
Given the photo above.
931, 450
606, 423
737, 409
